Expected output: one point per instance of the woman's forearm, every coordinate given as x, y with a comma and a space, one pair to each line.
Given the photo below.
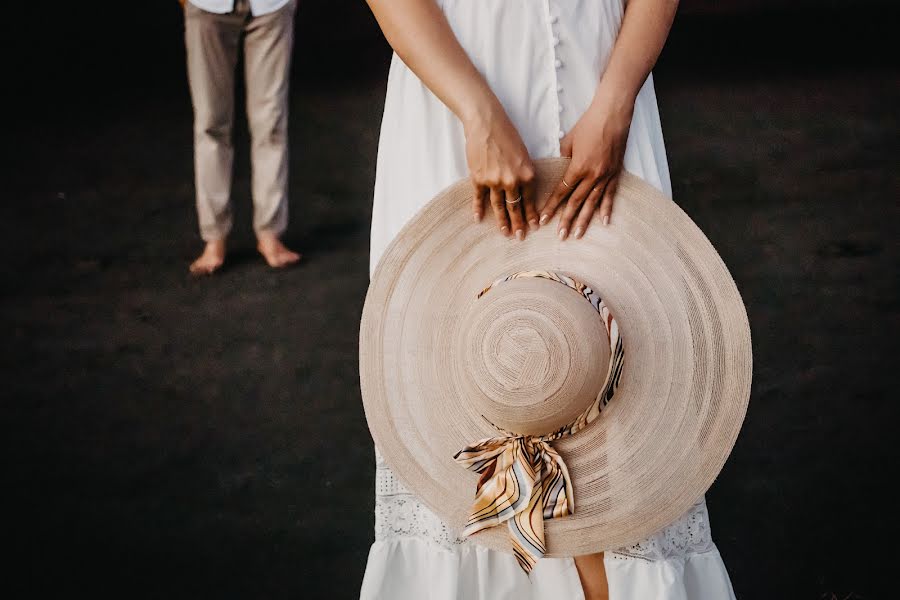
419, 33
643, 33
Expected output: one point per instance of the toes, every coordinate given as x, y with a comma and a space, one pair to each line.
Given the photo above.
282, 258
288, 258
205, 265
203, 270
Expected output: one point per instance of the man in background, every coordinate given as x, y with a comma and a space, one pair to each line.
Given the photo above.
214, 32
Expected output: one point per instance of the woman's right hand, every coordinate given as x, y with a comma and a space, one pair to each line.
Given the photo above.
502, 172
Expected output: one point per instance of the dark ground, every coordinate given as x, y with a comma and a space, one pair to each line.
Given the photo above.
177, 438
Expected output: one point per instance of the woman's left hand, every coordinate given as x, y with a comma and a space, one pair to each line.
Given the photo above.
596, 146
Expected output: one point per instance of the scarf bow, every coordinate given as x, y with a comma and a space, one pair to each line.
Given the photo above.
523, 481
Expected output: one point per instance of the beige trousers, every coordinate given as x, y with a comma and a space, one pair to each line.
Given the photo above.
212, 42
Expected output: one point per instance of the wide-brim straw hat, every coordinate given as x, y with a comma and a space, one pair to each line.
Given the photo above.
444, 365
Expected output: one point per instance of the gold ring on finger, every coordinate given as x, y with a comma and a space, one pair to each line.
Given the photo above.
566, 184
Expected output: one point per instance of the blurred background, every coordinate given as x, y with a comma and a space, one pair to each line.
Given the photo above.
182, 438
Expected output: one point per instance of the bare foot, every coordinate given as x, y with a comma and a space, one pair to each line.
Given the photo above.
212, 258
275, 253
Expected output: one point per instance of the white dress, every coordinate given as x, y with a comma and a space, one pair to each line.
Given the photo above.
542, 58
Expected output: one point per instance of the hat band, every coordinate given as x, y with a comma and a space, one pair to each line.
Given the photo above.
523, 479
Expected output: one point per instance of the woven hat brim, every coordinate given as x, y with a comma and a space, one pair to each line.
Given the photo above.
684, 391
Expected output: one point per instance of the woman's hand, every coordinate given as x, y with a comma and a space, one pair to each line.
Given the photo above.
596, 146
501, 171
499, 164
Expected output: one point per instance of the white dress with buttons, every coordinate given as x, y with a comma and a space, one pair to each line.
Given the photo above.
543, 59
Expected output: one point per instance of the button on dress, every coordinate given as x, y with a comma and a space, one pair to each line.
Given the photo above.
543, 59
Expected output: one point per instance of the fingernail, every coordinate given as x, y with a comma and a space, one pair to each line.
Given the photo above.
562, 233
504, 230
533, 223
606, 219
578, 232
520, 235
544, 219
475, 217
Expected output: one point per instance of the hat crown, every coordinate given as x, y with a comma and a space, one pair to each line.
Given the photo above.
522, 357
534, 355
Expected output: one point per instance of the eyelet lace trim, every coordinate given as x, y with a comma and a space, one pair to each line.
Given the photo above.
398, 514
